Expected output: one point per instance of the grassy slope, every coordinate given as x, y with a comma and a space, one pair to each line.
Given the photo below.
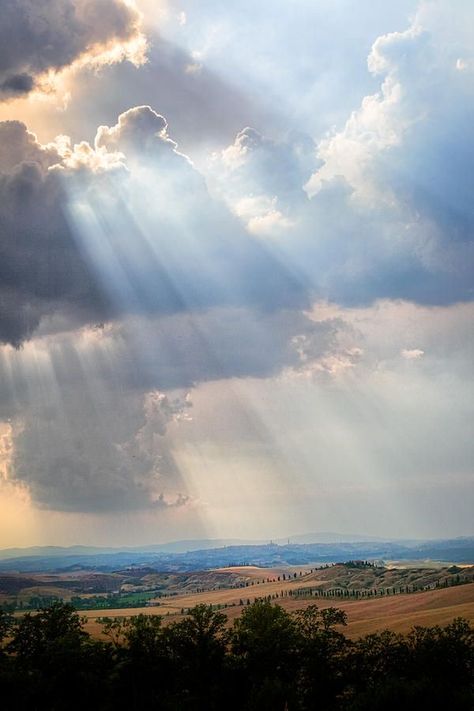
398, 612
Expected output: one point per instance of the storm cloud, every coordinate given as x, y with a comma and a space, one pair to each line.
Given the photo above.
41, 36
40, 268
88, 413
90, 453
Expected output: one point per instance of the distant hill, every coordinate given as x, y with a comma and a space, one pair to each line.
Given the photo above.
329, 537
171, 547
51, 551
459, 550
182, 546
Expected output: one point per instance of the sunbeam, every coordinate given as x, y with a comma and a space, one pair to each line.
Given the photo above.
251, 312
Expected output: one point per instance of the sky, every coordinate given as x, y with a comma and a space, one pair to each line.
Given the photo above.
236, 261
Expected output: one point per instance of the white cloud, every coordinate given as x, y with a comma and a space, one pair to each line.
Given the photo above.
412, 353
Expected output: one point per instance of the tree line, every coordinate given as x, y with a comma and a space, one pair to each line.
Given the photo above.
268, 660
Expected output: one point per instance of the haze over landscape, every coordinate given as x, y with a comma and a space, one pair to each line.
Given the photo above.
236, 250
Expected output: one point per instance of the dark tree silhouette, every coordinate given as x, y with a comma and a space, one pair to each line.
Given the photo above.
269, 659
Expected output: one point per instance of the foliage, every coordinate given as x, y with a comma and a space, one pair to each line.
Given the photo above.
268, 659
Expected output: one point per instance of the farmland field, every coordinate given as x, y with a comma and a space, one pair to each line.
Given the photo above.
397, 612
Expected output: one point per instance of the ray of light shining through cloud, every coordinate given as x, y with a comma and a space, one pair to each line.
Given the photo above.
236, 249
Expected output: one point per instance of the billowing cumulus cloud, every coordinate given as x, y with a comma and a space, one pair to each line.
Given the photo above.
262, 165
125, 225
79, 442
306, 75
18, 145
405, 156
388, 211
138, 128
38, 37
84, 454
262, 180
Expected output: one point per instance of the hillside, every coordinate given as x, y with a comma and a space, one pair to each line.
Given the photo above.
398, 612
141, 586
358, 576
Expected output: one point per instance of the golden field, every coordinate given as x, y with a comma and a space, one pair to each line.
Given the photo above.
395, 612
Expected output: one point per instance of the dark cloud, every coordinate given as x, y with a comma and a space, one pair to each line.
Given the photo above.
185, 349
89, 453
88, 412
37, 36
16, 85
40, 268
144, 353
